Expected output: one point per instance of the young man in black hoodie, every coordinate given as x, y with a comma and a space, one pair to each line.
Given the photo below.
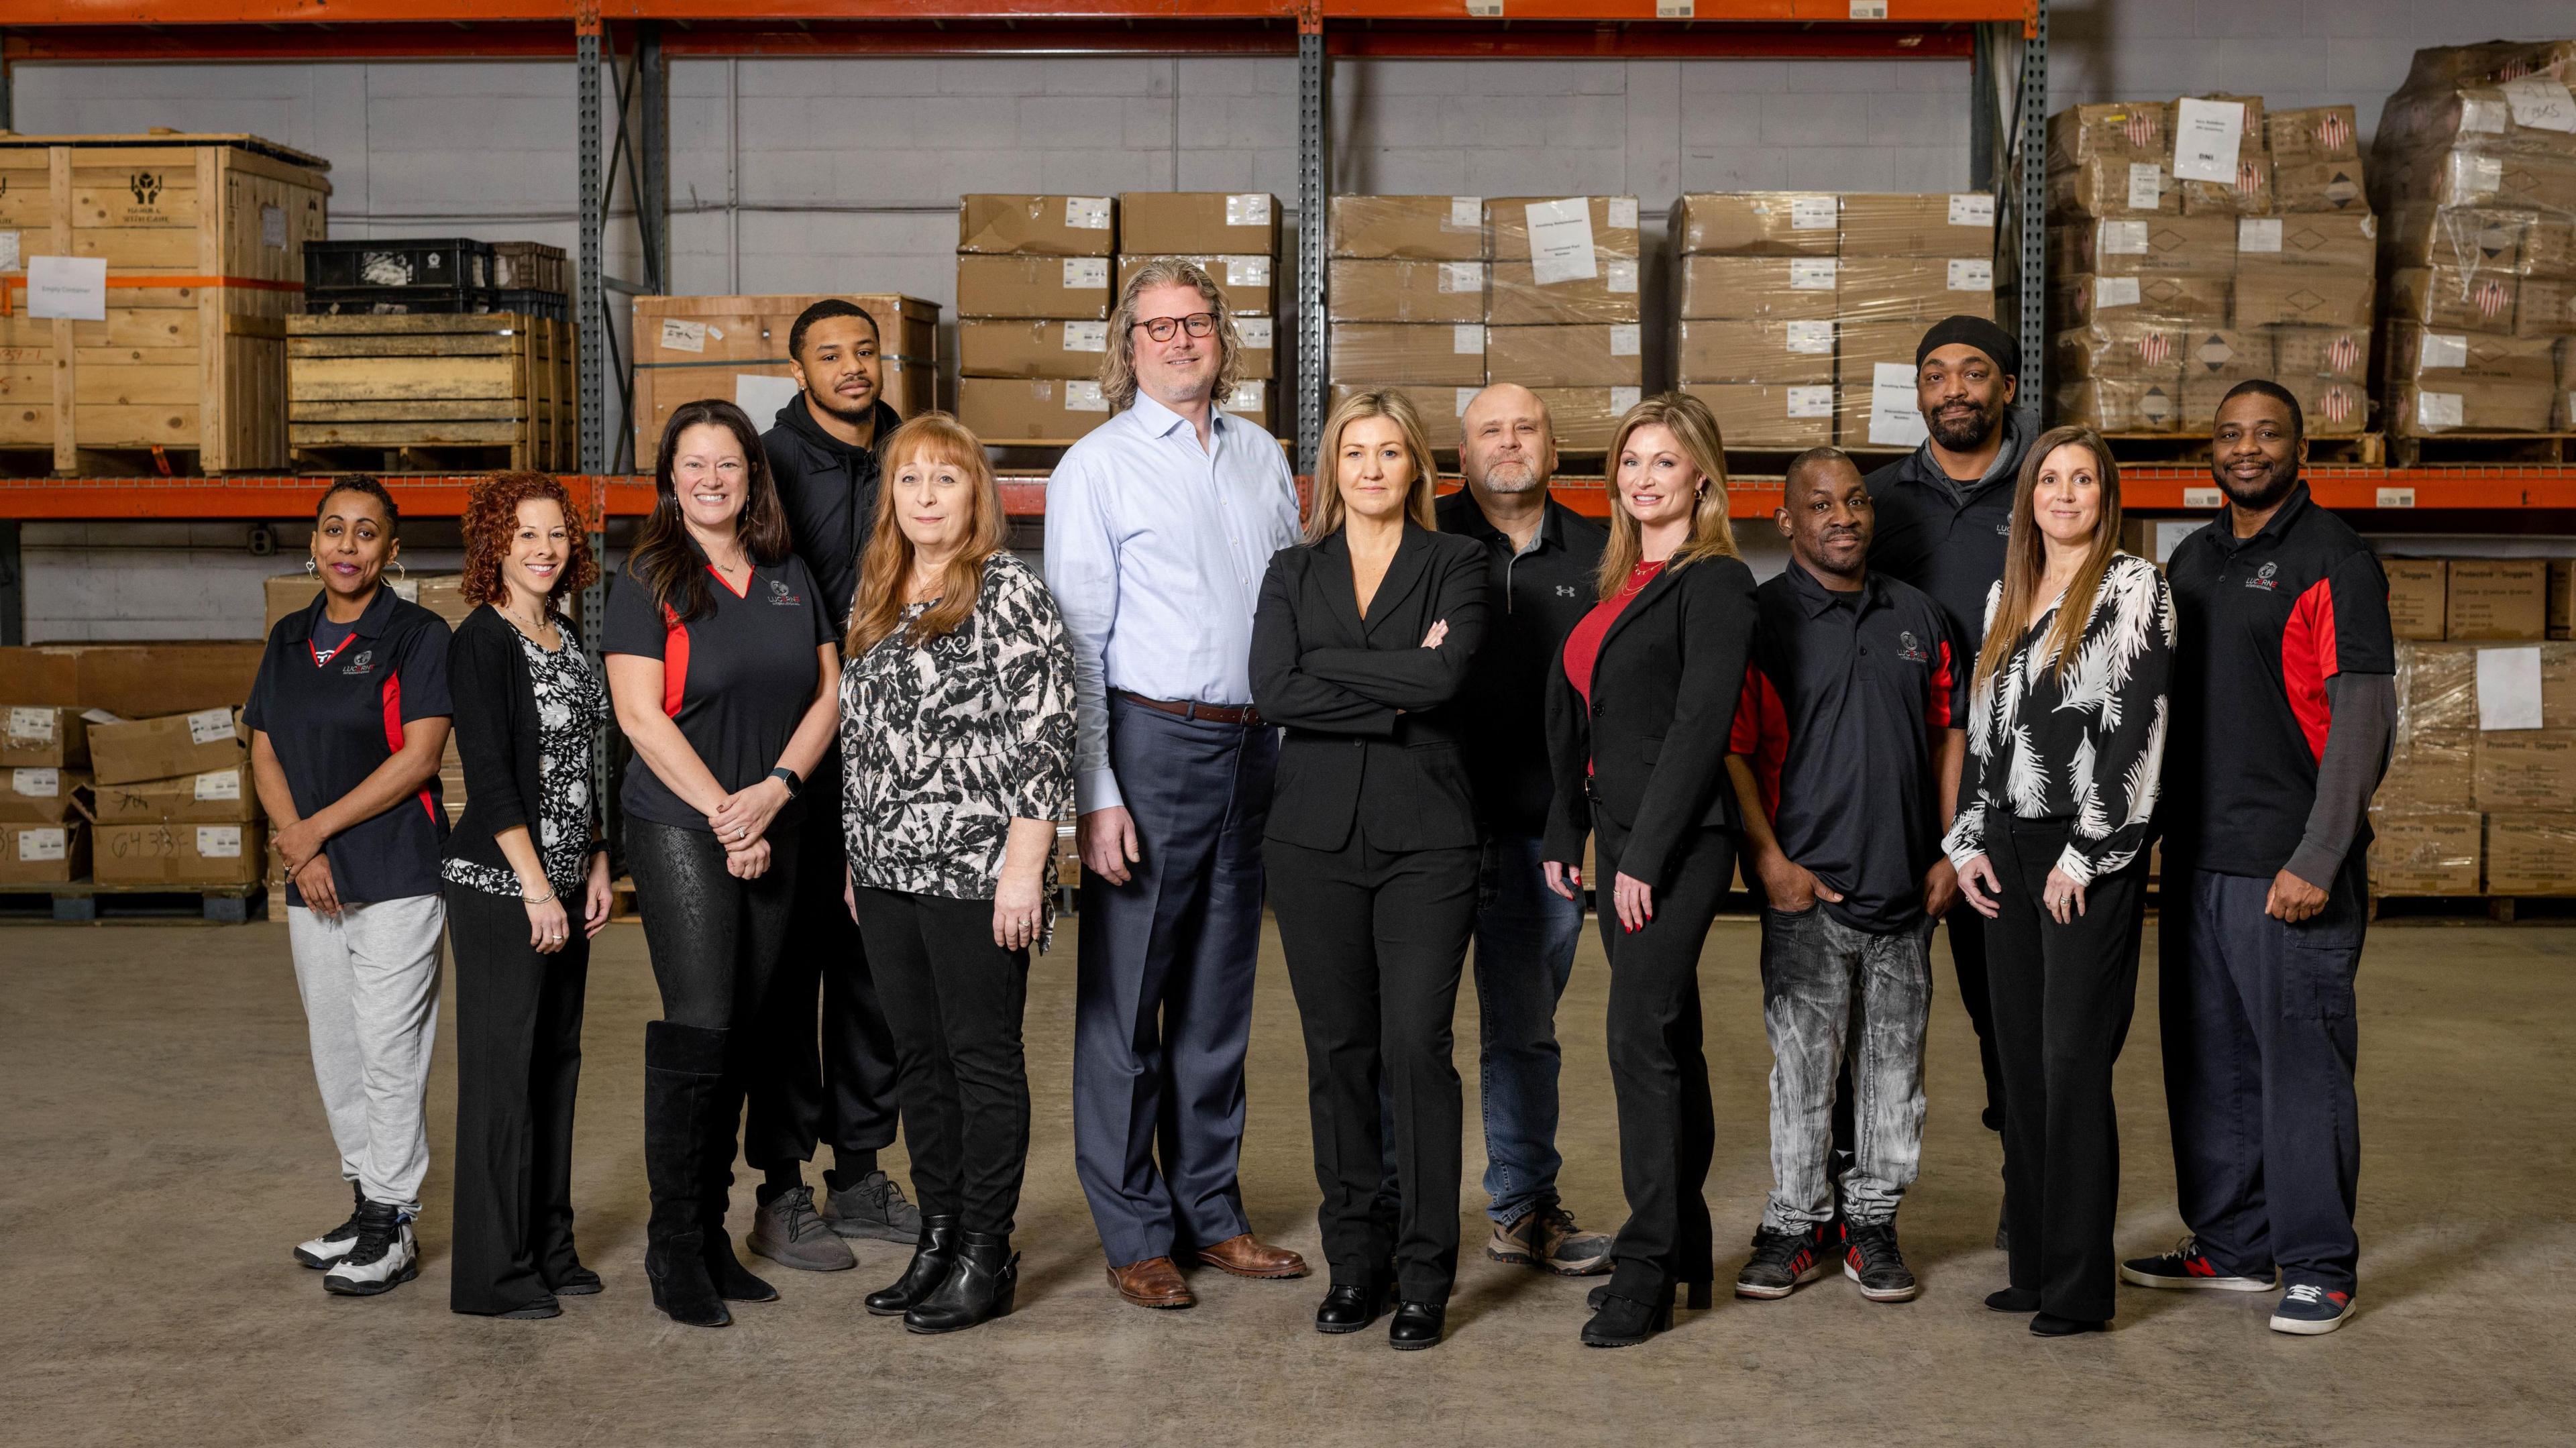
822, 456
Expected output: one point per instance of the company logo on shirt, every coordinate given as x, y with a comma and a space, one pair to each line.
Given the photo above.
2265, 577
780, 597
361, 663
2003, 530
1565, 590
1910, 648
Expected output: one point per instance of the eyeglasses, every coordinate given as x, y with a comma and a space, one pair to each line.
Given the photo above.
1200, 324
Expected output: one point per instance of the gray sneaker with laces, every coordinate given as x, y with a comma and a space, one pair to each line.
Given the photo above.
786, 1231
1548, 1239
874, 1207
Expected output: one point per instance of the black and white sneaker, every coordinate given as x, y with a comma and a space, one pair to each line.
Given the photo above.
383, 1258
1871, 1258
333, 1245
2308, 1310
2187, 1268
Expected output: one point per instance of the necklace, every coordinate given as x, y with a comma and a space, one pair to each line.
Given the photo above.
535, 629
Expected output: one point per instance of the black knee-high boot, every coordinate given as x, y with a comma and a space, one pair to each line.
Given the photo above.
733, 1281
682, 1066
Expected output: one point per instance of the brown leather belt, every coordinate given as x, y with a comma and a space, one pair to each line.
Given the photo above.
1243, 714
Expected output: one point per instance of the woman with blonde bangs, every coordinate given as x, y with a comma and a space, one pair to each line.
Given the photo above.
2066, 734
957, 733
1638, 718
1361, 641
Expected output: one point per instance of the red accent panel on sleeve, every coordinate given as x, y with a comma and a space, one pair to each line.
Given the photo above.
1936, 709
2308, 660
392, 696
675, 662
1761, 733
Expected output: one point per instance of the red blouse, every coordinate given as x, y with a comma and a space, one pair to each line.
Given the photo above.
1583, 645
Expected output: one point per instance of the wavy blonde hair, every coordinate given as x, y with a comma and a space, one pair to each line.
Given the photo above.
1711, 535
2026, 559
1118, 366
879, 605
1325, 518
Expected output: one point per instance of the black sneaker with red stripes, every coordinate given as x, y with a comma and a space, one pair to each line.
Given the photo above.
1782, 1262
2189, 1269
1871, 1258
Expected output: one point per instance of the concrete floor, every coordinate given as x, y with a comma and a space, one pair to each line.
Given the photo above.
163, 1148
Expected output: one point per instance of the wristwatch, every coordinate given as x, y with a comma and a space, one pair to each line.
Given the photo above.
787, 776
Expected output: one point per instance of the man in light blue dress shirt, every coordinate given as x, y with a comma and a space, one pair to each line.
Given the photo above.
1159, 526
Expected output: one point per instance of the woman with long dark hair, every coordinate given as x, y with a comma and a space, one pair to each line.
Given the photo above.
2066, 735
721, 662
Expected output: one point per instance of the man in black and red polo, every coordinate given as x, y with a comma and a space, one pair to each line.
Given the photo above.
1845, 757
2284, 698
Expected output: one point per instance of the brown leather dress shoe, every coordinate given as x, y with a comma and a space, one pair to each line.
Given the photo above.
1154, 1282
1249, 1256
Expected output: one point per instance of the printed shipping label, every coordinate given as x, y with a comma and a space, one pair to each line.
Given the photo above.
682, 335
1972, 208
1466, 213
2541, 104
1084, 397
1246, 397
1086, 213
1625, 339
210, 726
1895, 416
2115, 291
1462, 276
1971, 275
1467, 339
1621, 275
1815, 213
1255, 332
1811, 401
1623, 398
272, 227
2124, 238
1466, 395
1248, 209
1811, 338
31, 726
8, 251
2207, 137
219, 842
1092, 337
759, 395
2482, 116
2509, 688
1623, 213
1560, 241
44, 844
2259, 234
2437, 409
70, 288
2146, 185
1247, 271
218, 784
36, 783
1811, 274
1086, 273
2443, 349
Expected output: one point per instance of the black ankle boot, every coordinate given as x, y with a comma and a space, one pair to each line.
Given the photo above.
682, 1065
1348, 1308
1626, 1322
931, 1257
1416, 1325
979, 1286
733, 1281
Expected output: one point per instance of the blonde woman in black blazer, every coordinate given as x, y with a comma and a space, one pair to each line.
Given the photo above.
1361, 641
1638, 717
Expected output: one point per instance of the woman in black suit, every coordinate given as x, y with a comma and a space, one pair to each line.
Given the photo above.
1638, 719
1362, 637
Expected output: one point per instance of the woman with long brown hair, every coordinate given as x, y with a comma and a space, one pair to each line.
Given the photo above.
1638, 718
2066, 734
721, 662
956, 719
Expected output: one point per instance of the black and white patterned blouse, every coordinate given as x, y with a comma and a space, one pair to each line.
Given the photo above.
947, 743
571, 703
2087, 750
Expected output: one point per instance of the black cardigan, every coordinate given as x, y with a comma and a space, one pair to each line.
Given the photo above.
496, 735
1368, 739
1664, 687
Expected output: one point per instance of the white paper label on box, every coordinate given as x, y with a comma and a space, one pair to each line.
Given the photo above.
1626, 339
2476, 176
1466, 213
1466, 395
1972, 208
2443, 349
8, 251
218, 784
1623, 398
1084, 273
2124, 238
681, 335
36, 783
2200, 497
1467, 339
1248, 208
1869, 9
1092, 337
69, 287
210, 726
1895, 417
1811, 401
760, 396
1084, 397
1086, 213
2169, 533
44, 844
2115, 291
1811, 274
1560, 241
31, 726
2207, 137
2146, 185
2259, 234
1623, 213
1815, 213
1247, 271
2541, 104
1673, 9
1971, 274
1620, 275
2394, 498
2509, 688
2481, 115
219, 842
1462, 276
408, 589
2437, 409
272, 227
1246, 397
1811, 338
1255, 332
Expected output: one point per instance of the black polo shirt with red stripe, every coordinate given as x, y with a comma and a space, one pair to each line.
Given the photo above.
335, 706
2265, 622
737, 679
1843, 701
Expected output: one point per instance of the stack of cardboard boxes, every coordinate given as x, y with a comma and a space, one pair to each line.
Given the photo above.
735, 348
1797, 313
1033, 298
44, 837
2474, 168
1234, 237
2196, 243
1405, 294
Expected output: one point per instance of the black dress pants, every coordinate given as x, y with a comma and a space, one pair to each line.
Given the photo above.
1658, 1071
2063, 995
518, 1063
715, 941
954, 1001
1375, 940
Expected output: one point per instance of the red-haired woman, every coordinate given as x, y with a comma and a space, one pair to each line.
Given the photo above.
523, 863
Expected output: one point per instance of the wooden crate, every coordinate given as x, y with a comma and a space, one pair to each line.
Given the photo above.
491, 389
687, 348
203, 236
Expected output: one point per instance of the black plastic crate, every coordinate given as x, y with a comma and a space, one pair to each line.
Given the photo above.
444, 263
549, 305
361, 301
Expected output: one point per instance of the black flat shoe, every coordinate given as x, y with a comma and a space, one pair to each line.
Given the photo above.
1695, 1295
2013, 1299
1349, 1309
1626, 1322
533, 1312
2049, 1324
579, 1282
1416, 1325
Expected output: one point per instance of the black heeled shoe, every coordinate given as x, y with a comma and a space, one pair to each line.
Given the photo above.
980, 1285
931, 1259
734, 1282
1417, 1325
1347, 1308
1695, 1295
2049, 1324
1626, 1322
2013, 1299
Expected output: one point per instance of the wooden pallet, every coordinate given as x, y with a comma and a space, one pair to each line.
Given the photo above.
83, 902
2483, 447
430, 392
2473, 909
2368, 449
93, 462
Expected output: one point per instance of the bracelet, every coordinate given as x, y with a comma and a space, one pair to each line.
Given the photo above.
527, 899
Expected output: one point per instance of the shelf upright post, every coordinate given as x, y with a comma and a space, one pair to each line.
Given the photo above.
1314, 152
653, 207
2030, 152
590, 319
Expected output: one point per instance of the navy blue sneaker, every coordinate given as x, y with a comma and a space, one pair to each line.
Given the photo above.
2187, 1268
2311, 1311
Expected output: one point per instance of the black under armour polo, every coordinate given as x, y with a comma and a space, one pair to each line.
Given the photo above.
1538, 597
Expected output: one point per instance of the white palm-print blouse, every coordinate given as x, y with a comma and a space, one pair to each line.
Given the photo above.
2087, 750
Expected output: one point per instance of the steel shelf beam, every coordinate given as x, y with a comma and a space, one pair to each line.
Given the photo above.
359, 13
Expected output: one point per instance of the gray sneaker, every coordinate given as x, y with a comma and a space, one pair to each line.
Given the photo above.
786, 1231
1547, 1238
873, 1208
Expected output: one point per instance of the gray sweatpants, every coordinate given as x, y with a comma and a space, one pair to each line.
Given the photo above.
370, 985
1821, 981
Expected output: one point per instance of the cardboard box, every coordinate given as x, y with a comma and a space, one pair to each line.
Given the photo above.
441, 593
2149, 349
2342, 353
1516, 298
2418, 594
2547, 308
39, 794
2549, 247
1441, 408
2115, 186
2272, 291
2561, 610
1260, 354
1198, 223
44, 854
1583, 418
2079, 300
1374, 353
1733, 349
1250, 284
2451, 361
2312, 133
1250, 400
2487, 405
1926, 289
2425, 852
2437, 769
2347, 244
1067, 288
44, 736
1359, 290
2139, 129
1030, 347
2250, 194
1507, 225
179, 856
2497, 598
167, 746
2319, 186
1011, 410
1864, 345
1610, 356
2531, 853
2115, 405
2127, 246
1938, 224
1037, 225
735, 347
1804, 289
2454, 299
2333, 406
1757, 223
2421, 235
1408, 228
220, 796
2526, 768
1766, 416
2437, 689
